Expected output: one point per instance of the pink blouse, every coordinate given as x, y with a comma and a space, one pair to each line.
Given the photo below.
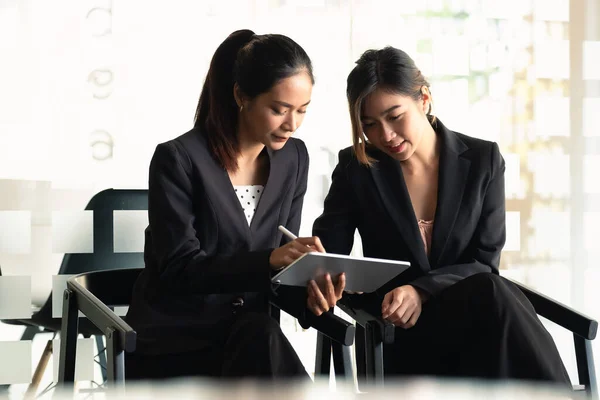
426, 228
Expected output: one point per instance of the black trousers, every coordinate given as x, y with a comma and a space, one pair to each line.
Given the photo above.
254, 346
480, 327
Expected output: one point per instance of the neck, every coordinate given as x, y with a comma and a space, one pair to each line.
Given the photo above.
427, 154
250, 149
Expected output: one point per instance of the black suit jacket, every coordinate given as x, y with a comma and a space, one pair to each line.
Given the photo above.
469, 226
201, 256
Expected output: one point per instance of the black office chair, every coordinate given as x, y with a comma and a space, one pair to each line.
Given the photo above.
93, 293
102, 204
372, 332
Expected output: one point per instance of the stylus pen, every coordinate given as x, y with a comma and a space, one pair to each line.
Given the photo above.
287, 233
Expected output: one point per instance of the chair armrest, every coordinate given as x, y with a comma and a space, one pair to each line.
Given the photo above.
329, 324
332, 326
101, 315
362, 317
568, 318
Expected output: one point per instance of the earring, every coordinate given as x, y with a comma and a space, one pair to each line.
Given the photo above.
241, 107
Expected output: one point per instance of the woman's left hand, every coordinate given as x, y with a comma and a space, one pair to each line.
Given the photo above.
402, 306
322, 299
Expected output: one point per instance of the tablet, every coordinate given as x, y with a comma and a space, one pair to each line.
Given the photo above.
362, 274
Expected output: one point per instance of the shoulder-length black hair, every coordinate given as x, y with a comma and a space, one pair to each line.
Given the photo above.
389, 69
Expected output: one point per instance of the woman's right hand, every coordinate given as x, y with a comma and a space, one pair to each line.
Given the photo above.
289, 252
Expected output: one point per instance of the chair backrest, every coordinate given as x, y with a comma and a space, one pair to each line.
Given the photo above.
103, 204
111, 287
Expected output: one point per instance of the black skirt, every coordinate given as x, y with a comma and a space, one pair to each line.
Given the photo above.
253, 345
480, 327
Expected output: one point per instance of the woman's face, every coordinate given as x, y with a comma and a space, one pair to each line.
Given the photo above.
271, 118
395, 123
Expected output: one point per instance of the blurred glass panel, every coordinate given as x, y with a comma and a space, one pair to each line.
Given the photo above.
377, 31
209, 8
84, 359
551, 10
129, 226
498, 55
309, 3
18, 370
395, 7
592, 294
505, 9
591, 60
9, 18
552, 279
484, 120
552, 116
73, 231
451, 103
478, 57
591, 166
15, 232
451, 56
59, 284
550, 174
515, 272
15, 297
544, 32
551, 234
591, 115
425, 64
552, 59
514, 186
513, 231
500, 84
591, 232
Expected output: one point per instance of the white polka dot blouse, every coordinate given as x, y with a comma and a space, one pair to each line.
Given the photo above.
248, 195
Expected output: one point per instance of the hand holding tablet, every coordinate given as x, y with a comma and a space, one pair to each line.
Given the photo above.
362, 274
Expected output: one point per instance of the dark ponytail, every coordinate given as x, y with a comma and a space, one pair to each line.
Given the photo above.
217, 110
256, 63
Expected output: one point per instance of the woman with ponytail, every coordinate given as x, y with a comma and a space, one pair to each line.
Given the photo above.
216, 197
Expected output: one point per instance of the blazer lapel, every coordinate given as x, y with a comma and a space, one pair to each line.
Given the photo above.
267, 202
225, 193
274, 188
389, 181
452, 178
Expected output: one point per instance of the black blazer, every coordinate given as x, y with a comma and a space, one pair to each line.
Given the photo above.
201, 256
469, 226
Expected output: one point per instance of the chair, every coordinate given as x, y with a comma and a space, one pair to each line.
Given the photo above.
372, 332
93, 292
89, 293
102, 204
